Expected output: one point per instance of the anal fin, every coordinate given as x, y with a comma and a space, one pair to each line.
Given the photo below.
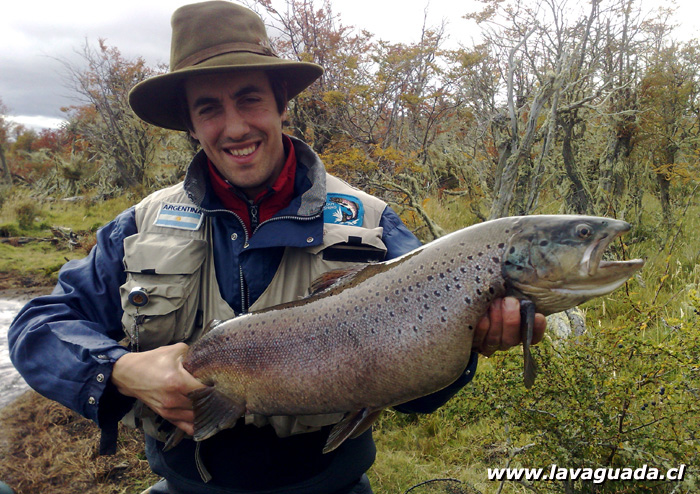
213, 412
352, 425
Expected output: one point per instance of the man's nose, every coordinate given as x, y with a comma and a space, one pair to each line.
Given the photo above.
236, 126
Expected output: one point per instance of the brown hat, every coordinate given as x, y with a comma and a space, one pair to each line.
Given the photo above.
209, 38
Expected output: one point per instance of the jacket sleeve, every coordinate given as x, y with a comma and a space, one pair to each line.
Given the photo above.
65, 344
399, 240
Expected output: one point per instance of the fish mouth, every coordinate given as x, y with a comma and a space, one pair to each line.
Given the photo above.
599, 276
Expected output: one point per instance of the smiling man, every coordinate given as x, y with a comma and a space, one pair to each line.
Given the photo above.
255, 221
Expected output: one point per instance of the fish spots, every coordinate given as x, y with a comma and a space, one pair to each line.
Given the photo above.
467, 300
496, 260
501, 245
477, 279
437, 293
431, 277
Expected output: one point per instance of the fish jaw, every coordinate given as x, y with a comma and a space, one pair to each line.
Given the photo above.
556, 261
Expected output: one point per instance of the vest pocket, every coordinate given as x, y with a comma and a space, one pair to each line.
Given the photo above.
167, 269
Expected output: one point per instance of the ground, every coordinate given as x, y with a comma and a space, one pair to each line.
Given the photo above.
45, 447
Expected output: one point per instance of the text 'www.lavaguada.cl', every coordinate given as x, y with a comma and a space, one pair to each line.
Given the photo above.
595, 475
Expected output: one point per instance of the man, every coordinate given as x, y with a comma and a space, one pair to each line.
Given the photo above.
251, 226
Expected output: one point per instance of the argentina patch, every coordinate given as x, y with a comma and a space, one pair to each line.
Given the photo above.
342, 209
180, 216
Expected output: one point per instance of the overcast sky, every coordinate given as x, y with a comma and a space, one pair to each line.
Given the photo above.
35, 34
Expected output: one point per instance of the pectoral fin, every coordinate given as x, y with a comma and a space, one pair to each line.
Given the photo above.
527, 328
213, 412
351, 426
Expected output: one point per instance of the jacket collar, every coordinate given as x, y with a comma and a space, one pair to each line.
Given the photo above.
310, 182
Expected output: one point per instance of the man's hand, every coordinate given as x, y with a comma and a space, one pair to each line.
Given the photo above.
500, 328
158, 379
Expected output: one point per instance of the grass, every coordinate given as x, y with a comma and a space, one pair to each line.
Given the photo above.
46, 448
38, 261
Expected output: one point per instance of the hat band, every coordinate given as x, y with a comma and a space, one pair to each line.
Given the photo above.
203, 55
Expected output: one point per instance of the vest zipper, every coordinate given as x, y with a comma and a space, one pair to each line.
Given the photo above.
245, 295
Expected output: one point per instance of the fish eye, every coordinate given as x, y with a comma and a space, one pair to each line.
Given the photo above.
584, 231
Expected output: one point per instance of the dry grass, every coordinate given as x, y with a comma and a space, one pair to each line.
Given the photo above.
46, 448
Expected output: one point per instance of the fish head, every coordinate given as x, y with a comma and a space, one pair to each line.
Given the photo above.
557, 261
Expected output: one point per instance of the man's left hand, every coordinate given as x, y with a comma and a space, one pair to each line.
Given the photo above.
500, 328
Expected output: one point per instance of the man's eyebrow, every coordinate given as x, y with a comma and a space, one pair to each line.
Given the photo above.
204, 100
245, 90
208, 100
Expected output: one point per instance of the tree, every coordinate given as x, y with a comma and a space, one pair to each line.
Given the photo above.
123, 143
5, 175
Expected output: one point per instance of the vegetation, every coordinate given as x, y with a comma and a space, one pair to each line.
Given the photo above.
555, 110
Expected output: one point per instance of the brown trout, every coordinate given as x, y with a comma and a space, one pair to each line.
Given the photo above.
383, 334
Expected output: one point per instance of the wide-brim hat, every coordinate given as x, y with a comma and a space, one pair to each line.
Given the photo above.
211, 38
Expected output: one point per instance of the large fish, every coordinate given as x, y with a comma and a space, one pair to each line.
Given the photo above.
384, 334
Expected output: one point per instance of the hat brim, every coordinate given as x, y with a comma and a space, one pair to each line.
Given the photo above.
157, 100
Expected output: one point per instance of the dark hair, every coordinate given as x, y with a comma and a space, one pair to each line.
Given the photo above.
279, 91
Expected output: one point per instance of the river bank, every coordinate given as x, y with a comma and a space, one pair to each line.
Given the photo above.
46, 448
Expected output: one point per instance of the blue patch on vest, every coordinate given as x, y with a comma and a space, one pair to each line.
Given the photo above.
180, 216
341, 209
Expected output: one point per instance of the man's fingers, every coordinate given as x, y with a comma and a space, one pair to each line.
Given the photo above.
500, 329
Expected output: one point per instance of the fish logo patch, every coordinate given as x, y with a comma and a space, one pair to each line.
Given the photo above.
341, 209
180, 216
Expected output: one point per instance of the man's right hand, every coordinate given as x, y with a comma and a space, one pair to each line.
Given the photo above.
158, 379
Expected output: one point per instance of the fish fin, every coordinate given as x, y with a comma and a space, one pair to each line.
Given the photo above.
173, 439
213, 412
527, 328
334, 278
352, 425
366, 423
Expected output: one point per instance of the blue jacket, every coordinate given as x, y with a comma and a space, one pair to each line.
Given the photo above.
65, 344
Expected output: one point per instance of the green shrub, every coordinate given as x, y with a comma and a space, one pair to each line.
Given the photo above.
26, 212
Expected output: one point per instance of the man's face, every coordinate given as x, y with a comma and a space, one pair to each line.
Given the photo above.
235, 119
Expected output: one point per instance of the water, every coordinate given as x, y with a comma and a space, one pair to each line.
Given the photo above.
11, 383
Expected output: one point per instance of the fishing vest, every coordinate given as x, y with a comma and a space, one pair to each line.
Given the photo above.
171, 293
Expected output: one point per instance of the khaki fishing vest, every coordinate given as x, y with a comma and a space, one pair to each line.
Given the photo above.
175, 268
